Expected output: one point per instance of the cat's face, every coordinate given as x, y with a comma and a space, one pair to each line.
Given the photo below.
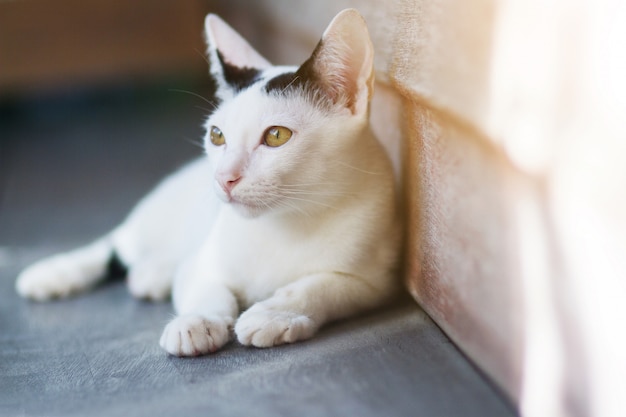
276, 137
273, 151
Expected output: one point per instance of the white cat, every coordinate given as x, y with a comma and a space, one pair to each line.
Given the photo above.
301, 226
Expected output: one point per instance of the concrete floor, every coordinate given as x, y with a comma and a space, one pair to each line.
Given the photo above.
70, 168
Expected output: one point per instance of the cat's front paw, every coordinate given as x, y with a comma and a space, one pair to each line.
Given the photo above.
195, 335
263, 326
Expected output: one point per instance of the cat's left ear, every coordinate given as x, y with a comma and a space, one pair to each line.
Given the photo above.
342, 65
234, 63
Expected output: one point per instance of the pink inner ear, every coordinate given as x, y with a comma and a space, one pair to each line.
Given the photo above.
235, 49
345, 61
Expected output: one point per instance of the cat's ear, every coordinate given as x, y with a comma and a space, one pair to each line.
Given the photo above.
342, 65
233, 62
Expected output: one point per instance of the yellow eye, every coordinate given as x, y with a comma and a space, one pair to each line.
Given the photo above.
217, 137
277, 136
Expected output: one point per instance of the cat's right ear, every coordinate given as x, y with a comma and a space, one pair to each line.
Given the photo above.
342, 64
234, 64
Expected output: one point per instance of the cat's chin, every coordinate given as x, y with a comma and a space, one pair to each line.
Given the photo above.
247, 211
242, 208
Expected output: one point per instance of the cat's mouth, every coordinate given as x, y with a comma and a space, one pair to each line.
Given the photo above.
235, 200
245, 203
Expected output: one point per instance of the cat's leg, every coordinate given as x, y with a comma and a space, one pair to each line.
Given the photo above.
66, 273
296, 311
206, 312
150, 264
159, 231
150, 278
149, 273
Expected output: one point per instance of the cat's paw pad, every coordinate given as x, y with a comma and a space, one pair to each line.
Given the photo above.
195, 335
149, 281
54, 277
261, 326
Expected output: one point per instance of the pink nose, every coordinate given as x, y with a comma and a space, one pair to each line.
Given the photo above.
228, 181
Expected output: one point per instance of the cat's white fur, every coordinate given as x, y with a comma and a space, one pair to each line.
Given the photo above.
309, 233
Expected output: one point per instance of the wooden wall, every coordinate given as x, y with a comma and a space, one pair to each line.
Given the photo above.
47, 44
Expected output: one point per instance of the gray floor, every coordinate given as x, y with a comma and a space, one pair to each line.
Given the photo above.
69, 170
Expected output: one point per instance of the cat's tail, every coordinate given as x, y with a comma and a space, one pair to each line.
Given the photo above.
70, 272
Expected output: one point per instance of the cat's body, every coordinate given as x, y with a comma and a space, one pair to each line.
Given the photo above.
302, 226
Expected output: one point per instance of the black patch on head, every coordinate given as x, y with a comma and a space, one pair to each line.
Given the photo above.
281, 82
237, 77
116, 269
305, 78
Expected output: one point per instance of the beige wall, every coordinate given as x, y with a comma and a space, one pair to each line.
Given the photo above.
512, 115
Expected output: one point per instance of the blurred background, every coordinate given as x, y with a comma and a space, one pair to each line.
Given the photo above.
93, 93
47, 45
49, 48
72, 50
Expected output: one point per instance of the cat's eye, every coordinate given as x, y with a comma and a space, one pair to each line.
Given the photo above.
217, 137
276, 136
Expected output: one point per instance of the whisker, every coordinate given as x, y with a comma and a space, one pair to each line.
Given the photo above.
357, 169
321, 193
203, 55
282, 201
321, 184
286, 204
203, 108
175, 90
194, 142
262, 201
307, 200
290, 84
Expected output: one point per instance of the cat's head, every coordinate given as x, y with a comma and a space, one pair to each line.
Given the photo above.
278, 136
